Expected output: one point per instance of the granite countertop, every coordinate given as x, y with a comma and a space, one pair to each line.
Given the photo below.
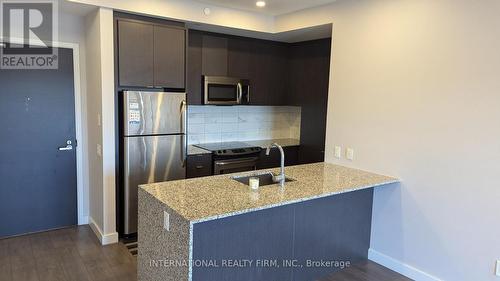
193, 150
209, 198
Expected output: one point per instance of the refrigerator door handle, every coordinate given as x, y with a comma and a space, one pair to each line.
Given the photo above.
183, 117
184, 132
183, 150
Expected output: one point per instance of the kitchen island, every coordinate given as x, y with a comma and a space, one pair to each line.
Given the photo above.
215, 228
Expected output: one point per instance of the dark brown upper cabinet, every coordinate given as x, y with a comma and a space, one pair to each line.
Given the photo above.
278, 64
214, 55
194, 73
207, 55
151, 55
239, 57
268, 73
135, 54
169, 57
265, 63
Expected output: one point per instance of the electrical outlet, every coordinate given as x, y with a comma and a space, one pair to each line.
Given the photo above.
99, 150
349, 154
498, 268
166, 220
338, 152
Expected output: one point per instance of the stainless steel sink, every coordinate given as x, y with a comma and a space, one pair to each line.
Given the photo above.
264, 179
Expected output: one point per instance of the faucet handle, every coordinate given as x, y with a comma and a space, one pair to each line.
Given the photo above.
278, 178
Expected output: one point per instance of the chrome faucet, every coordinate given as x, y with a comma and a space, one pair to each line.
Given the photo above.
281, 177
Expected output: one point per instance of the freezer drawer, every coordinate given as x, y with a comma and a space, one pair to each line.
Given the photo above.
154, 113
149, 159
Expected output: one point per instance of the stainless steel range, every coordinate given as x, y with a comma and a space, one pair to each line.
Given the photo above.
232, 157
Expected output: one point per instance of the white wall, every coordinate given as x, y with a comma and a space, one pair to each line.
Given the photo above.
414, 89
72, 30
94, 109
100, 118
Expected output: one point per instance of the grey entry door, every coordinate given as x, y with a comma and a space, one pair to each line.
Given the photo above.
38, 186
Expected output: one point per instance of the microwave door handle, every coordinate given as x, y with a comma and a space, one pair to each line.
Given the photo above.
248, 93
240, 93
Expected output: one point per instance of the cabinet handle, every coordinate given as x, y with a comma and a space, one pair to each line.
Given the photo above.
199, 167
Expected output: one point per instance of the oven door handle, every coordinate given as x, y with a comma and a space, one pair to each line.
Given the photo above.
236, 161
221, 165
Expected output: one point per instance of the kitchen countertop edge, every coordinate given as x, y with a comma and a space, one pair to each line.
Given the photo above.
224, 214
244, 211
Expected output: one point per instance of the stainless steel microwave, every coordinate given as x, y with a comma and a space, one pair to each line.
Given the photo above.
220, 90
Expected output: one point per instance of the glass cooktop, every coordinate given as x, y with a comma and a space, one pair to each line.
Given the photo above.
223, 145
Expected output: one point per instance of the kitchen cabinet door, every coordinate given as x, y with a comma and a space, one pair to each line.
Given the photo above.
239, 59
135, 54
199, 165
169, 57
269, 73
260, 73
309, 82
194, 76
273, 160
214, 55
278, 66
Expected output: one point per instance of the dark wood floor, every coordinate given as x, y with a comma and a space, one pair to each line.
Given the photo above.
66, 254
366, 271
76, 254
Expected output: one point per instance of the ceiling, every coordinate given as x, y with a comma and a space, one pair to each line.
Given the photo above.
75, 8
292, 36
273, 7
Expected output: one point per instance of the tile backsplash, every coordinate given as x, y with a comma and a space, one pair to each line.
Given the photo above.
208, 124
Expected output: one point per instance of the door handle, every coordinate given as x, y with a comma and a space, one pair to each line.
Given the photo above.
67, 147
239, 93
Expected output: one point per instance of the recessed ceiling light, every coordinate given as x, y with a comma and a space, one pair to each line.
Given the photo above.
260, 4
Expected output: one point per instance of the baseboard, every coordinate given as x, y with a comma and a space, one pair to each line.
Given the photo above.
105, 239
400, 267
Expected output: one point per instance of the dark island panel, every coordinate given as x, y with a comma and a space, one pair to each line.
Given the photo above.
287, 242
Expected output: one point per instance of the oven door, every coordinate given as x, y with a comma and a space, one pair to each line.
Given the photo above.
235, 165
222, 90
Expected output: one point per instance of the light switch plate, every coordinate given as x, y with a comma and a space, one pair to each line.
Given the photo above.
349, 154
498, 268
166, 221
338, 152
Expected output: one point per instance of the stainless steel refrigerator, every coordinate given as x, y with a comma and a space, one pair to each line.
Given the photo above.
154, 144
